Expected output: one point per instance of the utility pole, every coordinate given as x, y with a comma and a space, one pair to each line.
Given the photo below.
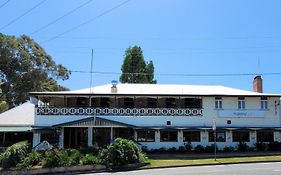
91, 78
214, 127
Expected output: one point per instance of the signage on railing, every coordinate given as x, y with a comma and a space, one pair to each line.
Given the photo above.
241, 113
119, 111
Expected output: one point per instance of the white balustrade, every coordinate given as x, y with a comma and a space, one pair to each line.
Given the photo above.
119, 111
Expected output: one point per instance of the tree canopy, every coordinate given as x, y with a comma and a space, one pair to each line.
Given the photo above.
26, 67
135, 69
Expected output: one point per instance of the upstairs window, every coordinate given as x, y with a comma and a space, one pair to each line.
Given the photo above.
264, 103
218, 103
193, 103
241, 103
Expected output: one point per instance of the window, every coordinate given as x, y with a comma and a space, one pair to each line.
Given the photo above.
241, 103
220, 136
128, 102
168, 136
240, 136
170, 102
146, 135
191, 136
265, 136
192, 103
264, 103
218, 103
151, 103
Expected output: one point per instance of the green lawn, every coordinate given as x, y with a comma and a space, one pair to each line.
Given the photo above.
183, 161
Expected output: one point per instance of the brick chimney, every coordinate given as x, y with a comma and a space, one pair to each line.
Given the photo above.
257, 84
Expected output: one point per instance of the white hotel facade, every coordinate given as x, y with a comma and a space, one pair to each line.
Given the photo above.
156, 115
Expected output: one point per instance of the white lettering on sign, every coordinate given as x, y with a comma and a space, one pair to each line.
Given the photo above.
238, 113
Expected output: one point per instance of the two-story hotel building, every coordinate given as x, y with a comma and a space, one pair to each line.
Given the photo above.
157, 115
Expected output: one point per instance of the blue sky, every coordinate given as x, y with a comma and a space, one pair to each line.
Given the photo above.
179, 36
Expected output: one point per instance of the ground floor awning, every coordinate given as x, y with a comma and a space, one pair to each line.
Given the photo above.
206, 128
94, 122
15, 128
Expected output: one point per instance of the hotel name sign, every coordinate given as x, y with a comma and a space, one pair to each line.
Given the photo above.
241, 113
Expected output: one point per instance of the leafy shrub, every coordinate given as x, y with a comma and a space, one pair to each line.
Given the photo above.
188, 147
143, 158
89, 159
32, 159
242, 147
172, 150
144, 149
199, 149
210, 148
51, 158
162, 150
64, 158
121, 152
182, 149
94, 150
75, 156
14, 154
260, 146
274, 146
228, 149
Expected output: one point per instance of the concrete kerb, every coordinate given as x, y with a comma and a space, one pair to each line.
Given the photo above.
208, 164
72, 169
55, 170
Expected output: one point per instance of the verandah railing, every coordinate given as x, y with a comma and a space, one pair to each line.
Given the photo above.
119, 111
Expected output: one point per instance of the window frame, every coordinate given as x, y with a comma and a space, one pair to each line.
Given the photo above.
191, 139
168, 132
218, 102
241, 103
240, 138
146, 135
265, 137
264, 103
211, 137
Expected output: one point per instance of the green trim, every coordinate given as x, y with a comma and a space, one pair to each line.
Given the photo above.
15, 128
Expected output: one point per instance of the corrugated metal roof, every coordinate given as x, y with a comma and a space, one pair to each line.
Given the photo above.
160, 89
22, 115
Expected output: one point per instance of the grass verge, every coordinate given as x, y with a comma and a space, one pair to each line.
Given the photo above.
185, 161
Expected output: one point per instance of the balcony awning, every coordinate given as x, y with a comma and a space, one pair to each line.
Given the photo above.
15, 128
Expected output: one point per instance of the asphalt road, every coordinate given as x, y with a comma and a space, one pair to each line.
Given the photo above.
234, 169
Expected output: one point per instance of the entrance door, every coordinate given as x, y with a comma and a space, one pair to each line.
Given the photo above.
124, 133
75, 137
101, 136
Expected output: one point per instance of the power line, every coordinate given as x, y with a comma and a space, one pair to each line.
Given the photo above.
88, 21
22, 15
4, 3
179, 75
63, 16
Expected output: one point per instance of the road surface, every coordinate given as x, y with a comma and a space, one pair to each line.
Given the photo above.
232, 169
